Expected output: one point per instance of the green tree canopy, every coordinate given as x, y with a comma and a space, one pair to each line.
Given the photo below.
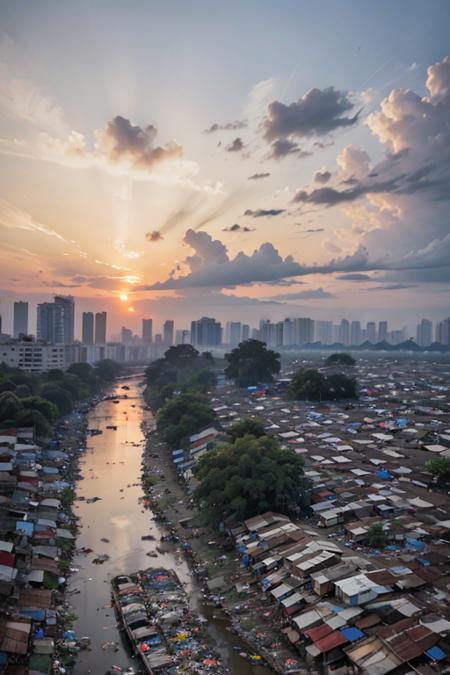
10, 405
252, 363
312, 385
377, 537
249, 476
59, 396
107, 370
181, 356
183, 416
340, 359
439, 467
249, 426
47, 409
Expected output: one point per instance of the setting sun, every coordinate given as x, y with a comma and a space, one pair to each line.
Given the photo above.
123, 297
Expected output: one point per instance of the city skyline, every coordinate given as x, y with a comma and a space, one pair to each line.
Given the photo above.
248, 162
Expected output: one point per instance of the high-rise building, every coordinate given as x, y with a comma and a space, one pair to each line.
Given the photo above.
100, 328
206, 332
443, 332
344, 332
181, 336
56, 320
303, 331
233, 331
147, 331
168, 332
424, 333
371, 332
245, 332
355, 333
87, 328
324, 332
126, 336
382, 331
20, 326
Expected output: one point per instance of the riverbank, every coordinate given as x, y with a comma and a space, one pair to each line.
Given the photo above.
216, 567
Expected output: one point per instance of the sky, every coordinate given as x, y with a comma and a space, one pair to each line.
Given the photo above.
243, 160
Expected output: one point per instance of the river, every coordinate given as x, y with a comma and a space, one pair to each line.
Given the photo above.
111, 471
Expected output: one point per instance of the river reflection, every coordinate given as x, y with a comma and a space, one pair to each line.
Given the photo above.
111, 469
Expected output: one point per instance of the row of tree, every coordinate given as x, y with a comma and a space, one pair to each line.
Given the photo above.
38, 400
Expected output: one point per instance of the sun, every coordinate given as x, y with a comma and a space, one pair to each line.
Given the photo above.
123, 297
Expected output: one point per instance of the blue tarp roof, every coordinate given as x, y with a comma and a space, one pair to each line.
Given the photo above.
24, 526
383, 473
35, 614
415, 543
436, 653
352, 634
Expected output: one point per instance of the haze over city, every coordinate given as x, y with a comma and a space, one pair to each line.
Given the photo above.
243, 161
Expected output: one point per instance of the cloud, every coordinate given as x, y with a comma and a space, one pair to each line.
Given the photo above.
264, 213
22, 100
124, 141
313, 294
238, 228
229, 126
211, 267
316, 113
391, 287
258, 176
355, 276
322, 176
283, 147
154, 235
13, 217
313, 230
235, 146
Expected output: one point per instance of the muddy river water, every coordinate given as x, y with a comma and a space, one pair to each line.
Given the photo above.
111, 470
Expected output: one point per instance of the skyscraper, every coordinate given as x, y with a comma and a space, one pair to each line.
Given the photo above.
20, 326
206, 332
87, 328
324, 332
126, 335
355, 333
382, 331
303, 331
233, 333
55, 320
100, 328
443, 332
245, 332
344, 332
424, 333
147, 331
168, 332
372, 332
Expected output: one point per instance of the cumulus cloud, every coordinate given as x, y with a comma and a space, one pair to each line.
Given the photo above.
122, 140
238, 228
283, 147
211, 267
264, 213
154, 235
235, 146
322, 176
316, 113
258, 176
228, 126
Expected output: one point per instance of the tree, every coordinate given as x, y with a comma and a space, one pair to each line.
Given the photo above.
182, 416
312, 385
181, 356
439, 467
47, 409
376, 536
33, 418
340, 359
107, 370
252, 363
10, 405
249, 476
247, 427
59, 396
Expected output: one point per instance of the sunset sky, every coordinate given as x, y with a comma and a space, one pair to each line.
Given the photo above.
248, 159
